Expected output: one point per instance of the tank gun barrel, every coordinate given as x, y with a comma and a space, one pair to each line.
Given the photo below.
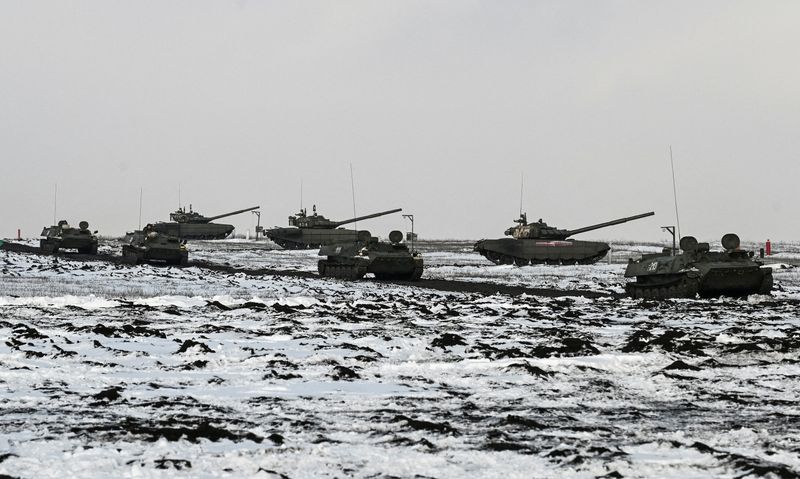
366, 217
212, 218
609, 223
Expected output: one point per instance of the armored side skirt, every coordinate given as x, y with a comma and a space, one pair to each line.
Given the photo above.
736, 282
403, 269
134, 255
194, 231
297, 238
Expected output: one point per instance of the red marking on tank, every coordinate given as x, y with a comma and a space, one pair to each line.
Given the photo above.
553, 243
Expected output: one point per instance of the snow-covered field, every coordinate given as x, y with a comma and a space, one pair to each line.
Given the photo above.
118, 371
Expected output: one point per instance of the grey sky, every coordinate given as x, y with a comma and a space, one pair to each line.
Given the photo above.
439, 106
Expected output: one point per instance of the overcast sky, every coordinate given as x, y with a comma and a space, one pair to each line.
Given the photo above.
440, 107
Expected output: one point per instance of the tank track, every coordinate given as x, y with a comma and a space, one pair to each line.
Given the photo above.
683, 287
285, 244
498, 258
341, 271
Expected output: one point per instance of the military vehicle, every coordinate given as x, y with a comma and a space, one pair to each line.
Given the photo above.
148, 245
538, 243
63, 236
697, 270
316, 230
191, 225
352, 260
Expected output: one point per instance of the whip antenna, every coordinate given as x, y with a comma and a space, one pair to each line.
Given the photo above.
521, 183
140, 208
353, 191
674, 192
55, 202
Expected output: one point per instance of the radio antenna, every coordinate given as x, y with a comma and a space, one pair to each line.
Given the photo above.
301, 194
521, 183
55, 202
179, 199
353, 191
674, 192
140, 208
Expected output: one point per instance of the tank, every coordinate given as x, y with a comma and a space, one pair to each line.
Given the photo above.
150, 246
64, 236
191, 225
313, 231
698, 271
539, 243
353, 260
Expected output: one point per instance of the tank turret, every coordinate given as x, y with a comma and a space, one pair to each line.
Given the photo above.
183, 216
303, 220
541, 230
191, 225
314, 230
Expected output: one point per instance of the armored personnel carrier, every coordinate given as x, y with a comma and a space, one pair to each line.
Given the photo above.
353, 260
313, 231
539, 243
149, 245
697, 270
63, 236
191, 225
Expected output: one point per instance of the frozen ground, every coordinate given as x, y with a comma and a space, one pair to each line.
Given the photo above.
117, 371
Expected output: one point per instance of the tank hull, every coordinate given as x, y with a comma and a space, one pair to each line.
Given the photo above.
297, 238
392, 268
396, 268
532, 251
194, 231
742, 281
135, 255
